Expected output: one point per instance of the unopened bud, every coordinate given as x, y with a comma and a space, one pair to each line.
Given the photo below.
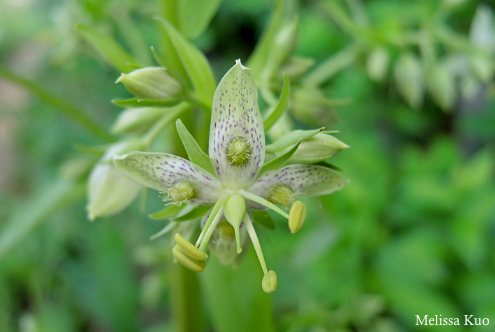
377, 64
310, 106
151, 83
409, 79
297, 216
109, 189
317, 148
136, 120
270, 282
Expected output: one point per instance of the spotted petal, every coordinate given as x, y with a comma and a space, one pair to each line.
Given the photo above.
236, 114
304, 180
161, 170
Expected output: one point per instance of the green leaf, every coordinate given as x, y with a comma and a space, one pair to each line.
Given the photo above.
263, 218
194, 16
328, 165
196, 155
235, 299
108, 48
278, 162
259, 56
36, 209
135, 102
167, 213
277, 112
195, 64
195, 213
291, 138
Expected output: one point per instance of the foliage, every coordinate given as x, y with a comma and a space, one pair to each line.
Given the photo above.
408, 84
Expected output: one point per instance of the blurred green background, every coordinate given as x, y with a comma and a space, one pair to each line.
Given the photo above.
412, 234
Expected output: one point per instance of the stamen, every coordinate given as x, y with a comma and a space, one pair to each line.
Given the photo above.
238, 151
297, 216
190, 263
270, 281
213, 214
189, 249
211, 229
256, 242
262, 201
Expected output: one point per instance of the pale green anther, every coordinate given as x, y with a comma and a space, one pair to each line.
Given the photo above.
151, 83
270, 282
238, 151
235, 209
297, 216
180, 192
189, 249
190, 263
282, 194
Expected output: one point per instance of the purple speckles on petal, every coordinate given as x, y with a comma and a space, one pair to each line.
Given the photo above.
236, 93
305, 180
161, 170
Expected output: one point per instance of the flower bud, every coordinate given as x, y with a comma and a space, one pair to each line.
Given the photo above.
409, 79
151, 83
295, 67
317, 148
136, 120
377, 64
109, 190
441, 85
285, 42
310, 106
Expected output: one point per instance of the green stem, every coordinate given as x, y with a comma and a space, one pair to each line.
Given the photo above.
190, 98
218, 205
170, 115
332, 65
256, 242
59, 104
262, 201
211, 228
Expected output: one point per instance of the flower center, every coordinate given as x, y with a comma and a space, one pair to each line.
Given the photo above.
238, 151
181, 191
283, 195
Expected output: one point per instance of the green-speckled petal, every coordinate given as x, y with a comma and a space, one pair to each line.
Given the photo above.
304, 180
161, 170
236, 114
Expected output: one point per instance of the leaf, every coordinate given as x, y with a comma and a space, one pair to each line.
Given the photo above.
196, 155
195, 213
291, 138
278, 162
263, 218
194, 16
277, 112
36, 209
194, 62
259, 56
135, 102
232, 291
328, 165
167, 213
108, 48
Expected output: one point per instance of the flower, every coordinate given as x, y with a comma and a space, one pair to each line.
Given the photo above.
236, 182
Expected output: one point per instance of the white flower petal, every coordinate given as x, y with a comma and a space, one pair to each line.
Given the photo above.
160, 170
235, 114
304, 180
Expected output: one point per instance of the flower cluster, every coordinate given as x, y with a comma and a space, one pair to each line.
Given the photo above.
239, 180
